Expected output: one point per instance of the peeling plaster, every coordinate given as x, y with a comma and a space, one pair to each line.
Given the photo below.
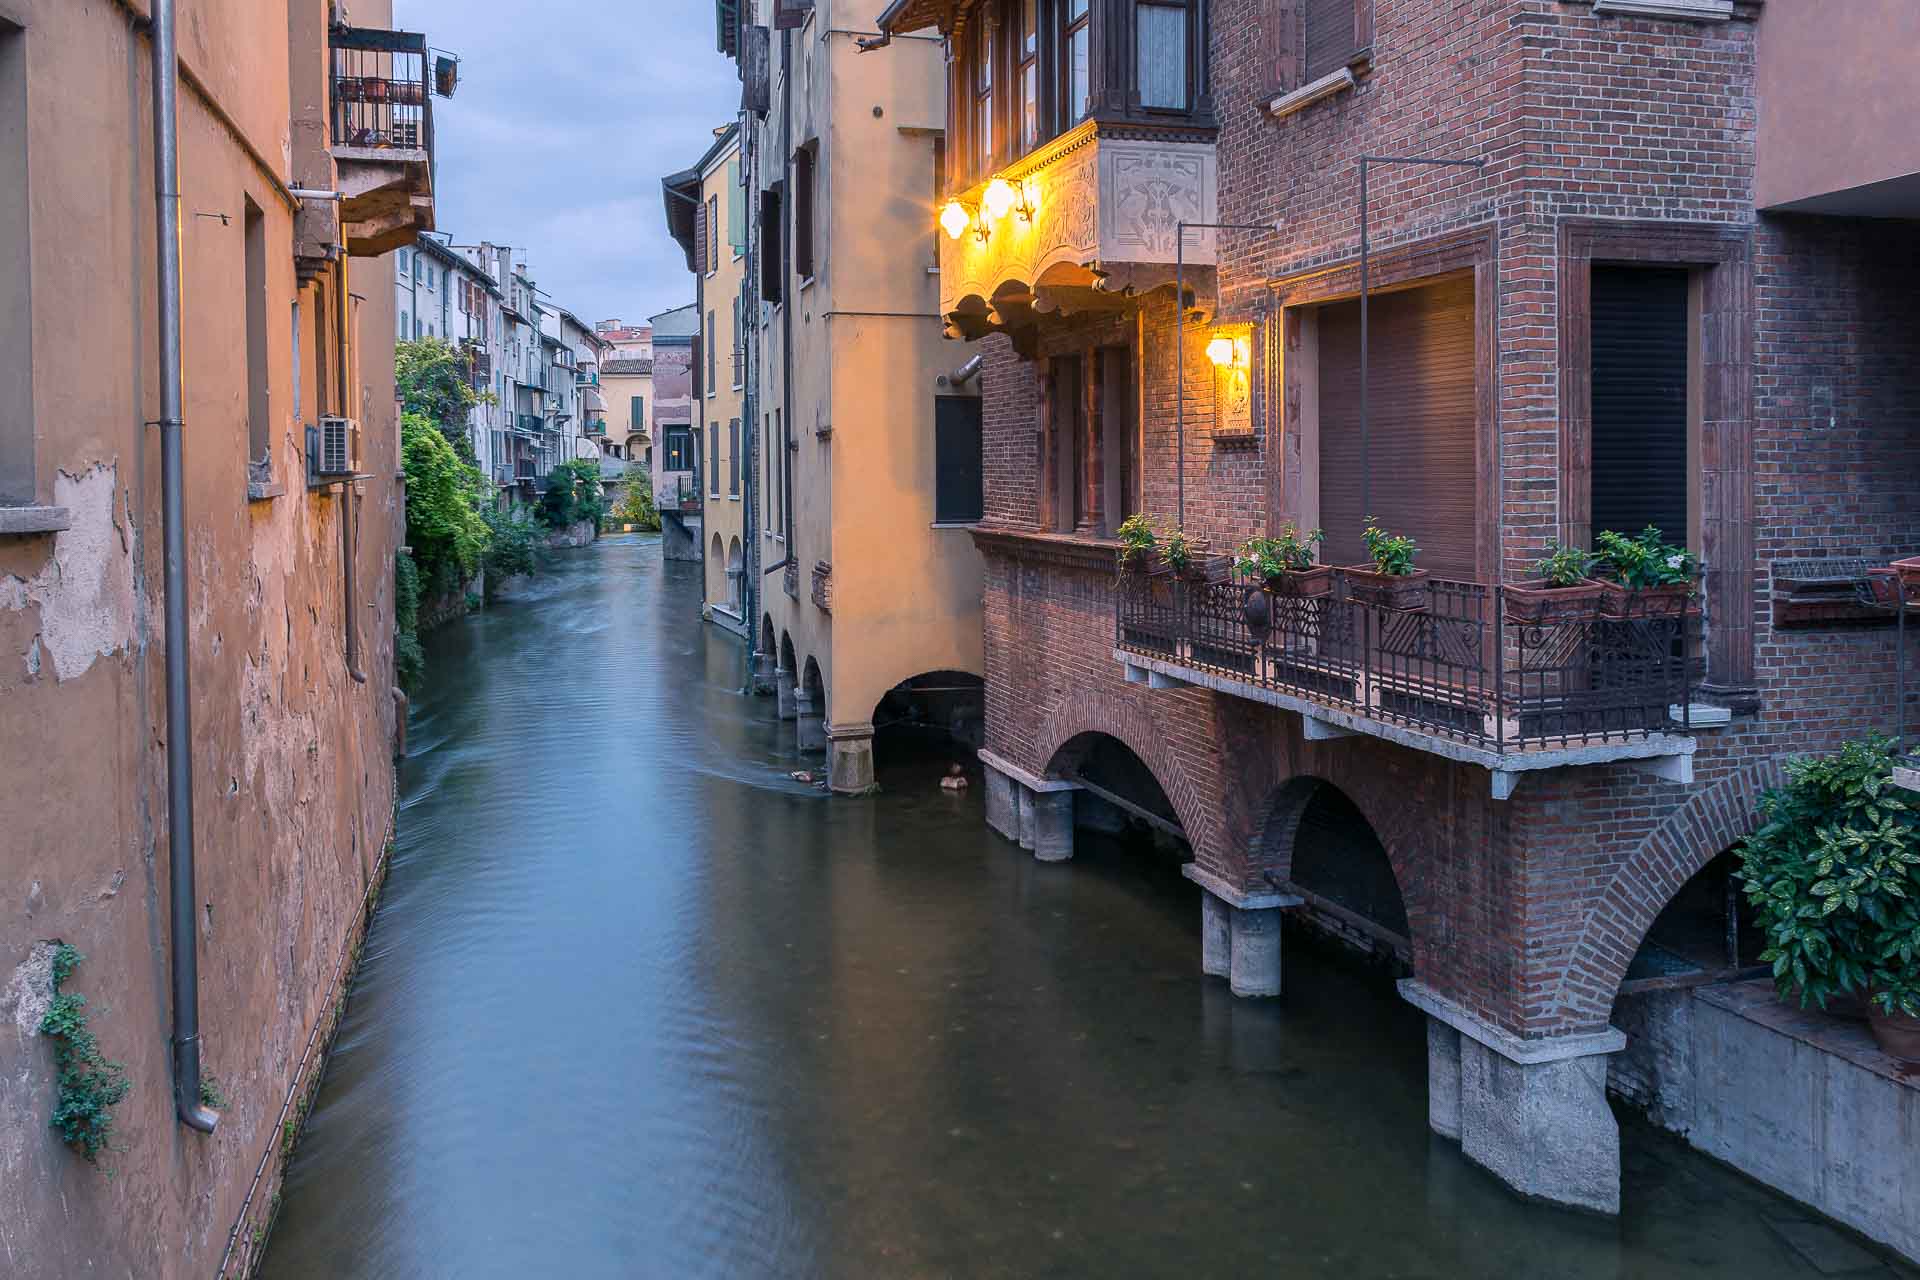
85, 591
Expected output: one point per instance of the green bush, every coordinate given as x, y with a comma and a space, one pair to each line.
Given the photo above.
512, 541
89, 1086
409, 660
1833, 875
636, 506
431, 379
573, 494
444, 500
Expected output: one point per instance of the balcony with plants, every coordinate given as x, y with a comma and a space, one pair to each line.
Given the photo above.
1589, 662
380, 98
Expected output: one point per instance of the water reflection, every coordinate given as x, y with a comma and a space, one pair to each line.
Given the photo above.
637, 1004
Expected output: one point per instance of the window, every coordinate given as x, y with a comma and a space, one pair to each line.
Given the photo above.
296, 361
772, 268
713, 458
16, 315
713, 234
404, 267
637, 408
766, 480
1074, 45
803, 179
1160, 43
736, 210
254, 275
1094, 445
406, 326
733, 457
957, 489
984, 149
1028, 54
712, 383
1331, 37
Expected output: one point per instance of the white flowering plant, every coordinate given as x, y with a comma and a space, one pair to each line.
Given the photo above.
1647, 560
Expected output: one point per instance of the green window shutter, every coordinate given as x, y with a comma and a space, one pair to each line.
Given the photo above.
736, 209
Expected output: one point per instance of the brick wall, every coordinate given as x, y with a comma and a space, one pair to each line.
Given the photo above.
1525, 911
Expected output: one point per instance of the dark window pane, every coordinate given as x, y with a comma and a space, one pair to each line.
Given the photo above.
957, 489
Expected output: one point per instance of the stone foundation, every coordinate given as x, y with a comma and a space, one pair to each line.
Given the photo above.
850, 759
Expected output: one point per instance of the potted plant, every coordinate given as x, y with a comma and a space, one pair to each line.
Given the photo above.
1285, 564
1564, 591
1390, 580
1647, 576
1138, 543
1833, 875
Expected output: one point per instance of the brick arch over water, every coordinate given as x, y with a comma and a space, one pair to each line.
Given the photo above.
1712, 820
1125, 720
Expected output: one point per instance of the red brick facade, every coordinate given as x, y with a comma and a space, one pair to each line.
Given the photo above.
1603, 138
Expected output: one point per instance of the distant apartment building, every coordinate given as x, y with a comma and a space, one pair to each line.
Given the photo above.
676, 451
706, 209
441, 292
868, 465
199, 515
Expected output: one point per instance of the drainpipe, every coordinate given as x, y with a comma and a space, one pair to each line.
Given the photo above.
343, 326
186, 976
786, 300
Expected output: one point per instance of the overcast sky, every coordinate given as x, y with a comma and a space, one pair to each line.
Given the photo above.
568, 114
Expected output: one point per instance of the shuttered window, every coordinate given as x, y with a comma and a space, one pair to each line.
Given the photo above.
803, 194
733, 457
772, 267
736, 210
1422, 425
713, 458
700, 239
1329, 36
958, 496
1640, 400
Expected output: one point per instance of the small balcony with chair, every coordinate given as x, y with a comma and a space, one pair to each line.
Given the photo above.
381, 134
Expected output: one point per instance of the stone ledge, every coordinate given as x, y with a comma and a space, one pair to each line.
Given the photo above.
1679, 10
264, 490
1233, 897
1845, 1038
1069, 550
1525, 1053
1308, 94
34, 519
1031, 781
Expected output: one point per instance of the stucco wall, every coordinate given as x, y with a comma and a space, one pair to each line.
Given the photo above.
293, 784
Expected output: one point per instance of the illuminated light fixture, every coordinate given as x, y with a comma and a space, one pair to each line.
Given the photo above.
1223, 351
998, 199
953, 219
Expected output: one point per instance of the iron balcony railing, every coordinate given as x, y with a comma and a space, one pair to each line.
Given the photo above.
531, 423
581, 378
382, 90
687, 491
596, 428
1458, 669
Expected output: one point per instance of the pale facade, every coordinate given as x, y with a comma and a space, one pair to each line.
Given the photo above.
287, 597
873, 588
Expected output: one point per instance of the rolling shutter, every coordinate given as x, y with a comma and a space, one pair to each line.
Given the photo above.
1330, 36
1423, 427
1640, 400
700, 239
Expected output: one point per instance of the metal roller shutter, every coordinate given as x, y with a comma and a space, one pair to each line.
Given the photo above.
1423, 428
1640, 400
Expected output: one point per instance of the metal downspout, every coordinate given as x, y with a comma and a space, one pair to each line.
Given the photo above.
185, 936
343, 326
786, 300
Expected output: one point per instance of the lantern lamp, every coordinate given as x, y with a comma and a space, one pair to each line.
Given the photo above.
953, 219
1222, 351
998, 199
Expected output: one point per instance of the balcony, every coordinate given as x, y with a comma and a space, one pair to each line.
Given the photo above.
581, 378
596, 428
531, 424
686, 492
382, 136
1457, 678
1093, 222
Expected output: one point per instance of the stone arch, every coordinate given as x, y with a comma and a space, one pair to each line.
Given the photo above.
788, 663
1121, 719
1712, 819
716, 569
813, 686
736, 582
768, 642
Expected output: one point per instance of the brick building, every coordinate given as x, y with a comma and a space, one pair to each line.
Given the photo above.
1669, 288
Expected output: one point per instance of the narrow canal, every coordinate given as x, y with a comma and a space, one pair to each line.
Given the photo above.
637, 1004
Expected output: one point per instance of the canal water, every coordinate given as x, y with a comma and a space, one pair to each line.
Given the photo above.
636, 1003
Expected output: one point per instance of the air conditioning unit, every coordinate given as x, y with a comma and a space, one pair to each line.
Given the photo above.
334, 448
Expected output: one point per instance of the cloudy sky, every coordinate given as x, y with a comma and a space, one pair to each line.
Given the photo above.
568, 114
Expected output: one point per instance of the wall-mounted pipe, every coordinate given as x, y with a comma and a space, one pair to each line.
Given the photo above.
185, 935
967, 372
343, 326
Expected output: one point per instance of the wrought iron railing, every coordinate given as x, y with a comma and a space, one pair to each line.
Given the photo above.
382, 89
687, 491
1457, 668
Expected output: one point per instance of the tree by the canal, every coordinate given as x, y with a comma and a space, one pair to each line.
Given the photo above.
434, 379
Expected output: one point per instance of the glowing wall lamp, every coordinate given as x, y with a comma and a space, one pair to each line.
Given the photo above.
954, 219
998, 199
1225, 352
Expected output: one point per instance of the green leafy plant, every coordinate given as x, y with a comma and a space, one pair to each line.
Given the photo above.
1833, 876
89, 1085
1177, 551
432, 379
444, 500
409, 659
573, 494
1292, 552
1138, 538
512, 542
211, 1094
1565, 566
1392, 554
636, 506
1648, 560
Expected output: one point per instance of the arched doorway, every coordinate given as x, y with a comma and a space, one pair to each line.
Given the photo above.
716, 571
736, 578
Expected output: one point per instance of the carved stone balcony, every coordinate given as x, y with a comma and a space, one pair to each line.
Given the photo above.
382, 137
1095, 220
1456, 677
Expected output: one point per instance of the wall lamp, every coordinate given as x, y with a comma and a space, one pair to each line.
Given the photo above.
954, 219
1229, 353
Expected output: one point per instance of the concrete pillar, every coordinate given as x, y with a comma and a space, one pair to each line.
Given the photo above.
1003, 803
763, 672
1533, 1113
850, 760
1052, 825
812, 731
784, 695
1253, 961
1216, 934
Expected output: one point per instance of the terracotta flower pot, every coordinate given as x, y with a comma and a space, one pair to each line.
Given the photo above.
1898, 1034
1537, 603
1621, 602
1404, 591
1317, 581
